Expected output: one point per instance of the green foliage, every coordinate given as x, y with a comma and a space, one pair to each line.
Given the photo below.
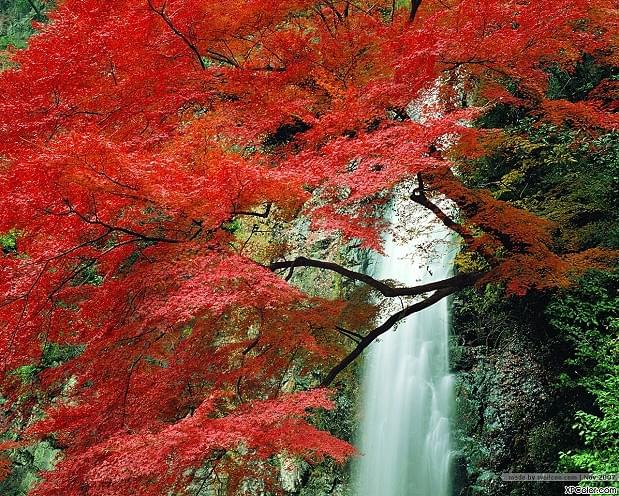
500, 116
570, 177
486, 317
588, 316
8, 241
340, 420
26, 463
326, 478
561, 174
329, 477
26, 373
576, 84
233, 226
53, 355
542, 441
87, 273
566, 175
16, 17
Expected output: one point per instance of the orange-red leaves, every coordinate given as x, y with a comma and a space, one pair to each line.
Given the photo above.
5, 468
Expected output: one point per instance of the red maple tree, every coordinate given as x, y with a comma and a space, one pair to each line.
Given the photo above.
135, 133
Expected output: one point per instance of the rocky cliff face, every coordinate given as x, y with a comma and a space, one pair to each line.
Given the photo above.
511, 413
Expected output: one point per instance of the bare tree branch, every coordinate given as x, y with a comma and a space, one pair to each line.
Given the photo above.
383, 328
357, 338
35, 8
111, 228
264, 214
419, 197
457, 281
161, 13
414, 8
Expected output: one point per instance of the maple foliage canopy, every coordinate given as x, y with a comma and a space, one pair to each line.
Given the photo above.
134, 133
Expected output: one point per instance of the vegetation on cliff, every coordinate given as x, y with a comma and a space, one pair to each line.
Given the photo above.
538, 373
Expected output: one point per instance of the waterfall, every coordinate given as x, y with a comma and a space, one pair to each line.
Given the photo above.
407, 389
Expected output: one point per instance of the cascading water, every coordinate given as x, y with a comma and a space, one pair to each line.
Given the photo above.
407, 388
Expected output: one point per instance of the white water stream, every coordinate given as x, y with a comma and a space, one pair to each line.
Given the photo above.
407, 388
